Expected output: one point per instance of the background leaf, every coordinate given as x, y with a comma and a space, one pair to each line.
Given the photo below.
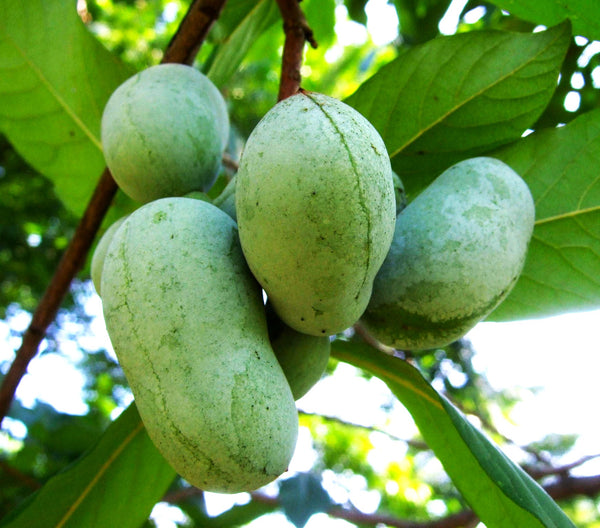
243, 22
301, 496
458, 96
584, 14
560, 166
502, 494
55, 79
116, 483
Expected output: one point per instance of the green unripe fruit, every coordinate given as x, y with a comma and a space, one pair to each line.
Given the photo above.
164, 131
302, 357
187, 322
316, 210
458, 250
100, 253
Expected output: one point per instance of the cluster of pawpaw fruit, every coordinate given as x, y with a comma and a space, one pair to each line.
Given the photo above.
311, 218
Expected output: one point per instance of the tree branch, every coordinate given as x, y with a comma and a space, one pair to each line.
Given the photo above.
192, 31
564, 488
71, 262
416, 444
184, 45
297, 32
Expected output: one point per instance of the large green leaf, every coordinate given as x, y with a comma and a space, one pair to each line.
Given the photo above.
500, 492
55, 79
562, 271
116, 483
244, 22
458, 96
584, 14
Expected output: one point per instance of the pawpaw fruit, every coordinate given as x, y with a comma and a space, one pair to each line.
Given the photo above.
97, 263
164, 131
302, 357
458, 249
187, 322
316, 210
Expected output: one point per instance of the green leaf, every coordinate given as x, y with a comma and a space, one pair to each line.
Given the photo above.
116, 483
501, 493
455, 97
246, 21
561, 168
55, 79
301, 496
584, 14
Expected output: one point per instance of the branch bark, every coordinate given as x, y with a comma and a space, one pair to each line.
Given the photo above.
565, 487
183, 48
192, 31
297, 32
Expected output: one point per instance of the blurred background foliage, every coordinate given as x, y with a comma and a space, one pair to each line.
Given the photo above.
346, 461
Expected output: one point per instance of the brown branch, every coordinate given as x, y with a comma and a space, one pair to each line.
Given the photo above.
70, 263
416, 444
193, 29
547, 470
564, 488
18, 475
297, 32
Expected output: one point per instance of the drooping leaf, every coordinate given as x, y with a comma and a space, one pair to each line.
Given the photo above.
561, 271
301, 496
246, 21
458, 96
583, 14
55, 79
116, 483
500, 492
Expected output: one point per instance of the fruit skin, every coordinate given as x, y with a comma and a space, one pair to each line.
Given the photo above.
302, 357
100, 253
187, 322
164, 131
316, 210
458, 249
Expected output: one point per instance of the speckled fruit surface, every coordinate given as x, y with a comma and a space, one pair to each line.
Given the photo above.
97, 263
458, 249
164, 131
187, 321
316, 210
302, 357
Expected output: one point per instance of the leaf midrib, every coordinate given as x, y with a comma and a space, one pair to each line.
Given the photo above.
103, 469
462, 103
567, 215
53, 92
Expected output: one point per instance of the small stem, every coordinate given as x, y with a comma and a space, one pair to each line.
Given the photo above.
297, 32
192, 31
183, 47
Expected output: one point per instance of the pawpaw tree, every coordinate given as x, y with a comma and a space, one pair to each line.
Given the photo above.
500, 84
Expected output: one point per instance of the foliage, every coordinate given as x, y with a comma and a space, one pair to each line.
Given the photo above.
490, 88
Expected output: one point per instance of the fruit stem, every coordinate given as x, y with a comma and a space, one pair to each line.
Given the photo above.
297, 32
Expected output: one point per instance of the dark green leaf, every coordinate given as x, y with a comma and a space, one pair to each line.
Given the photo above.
458, 96
561, 168
584, 14
301, 496
500, 492
116, 483
55, 79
